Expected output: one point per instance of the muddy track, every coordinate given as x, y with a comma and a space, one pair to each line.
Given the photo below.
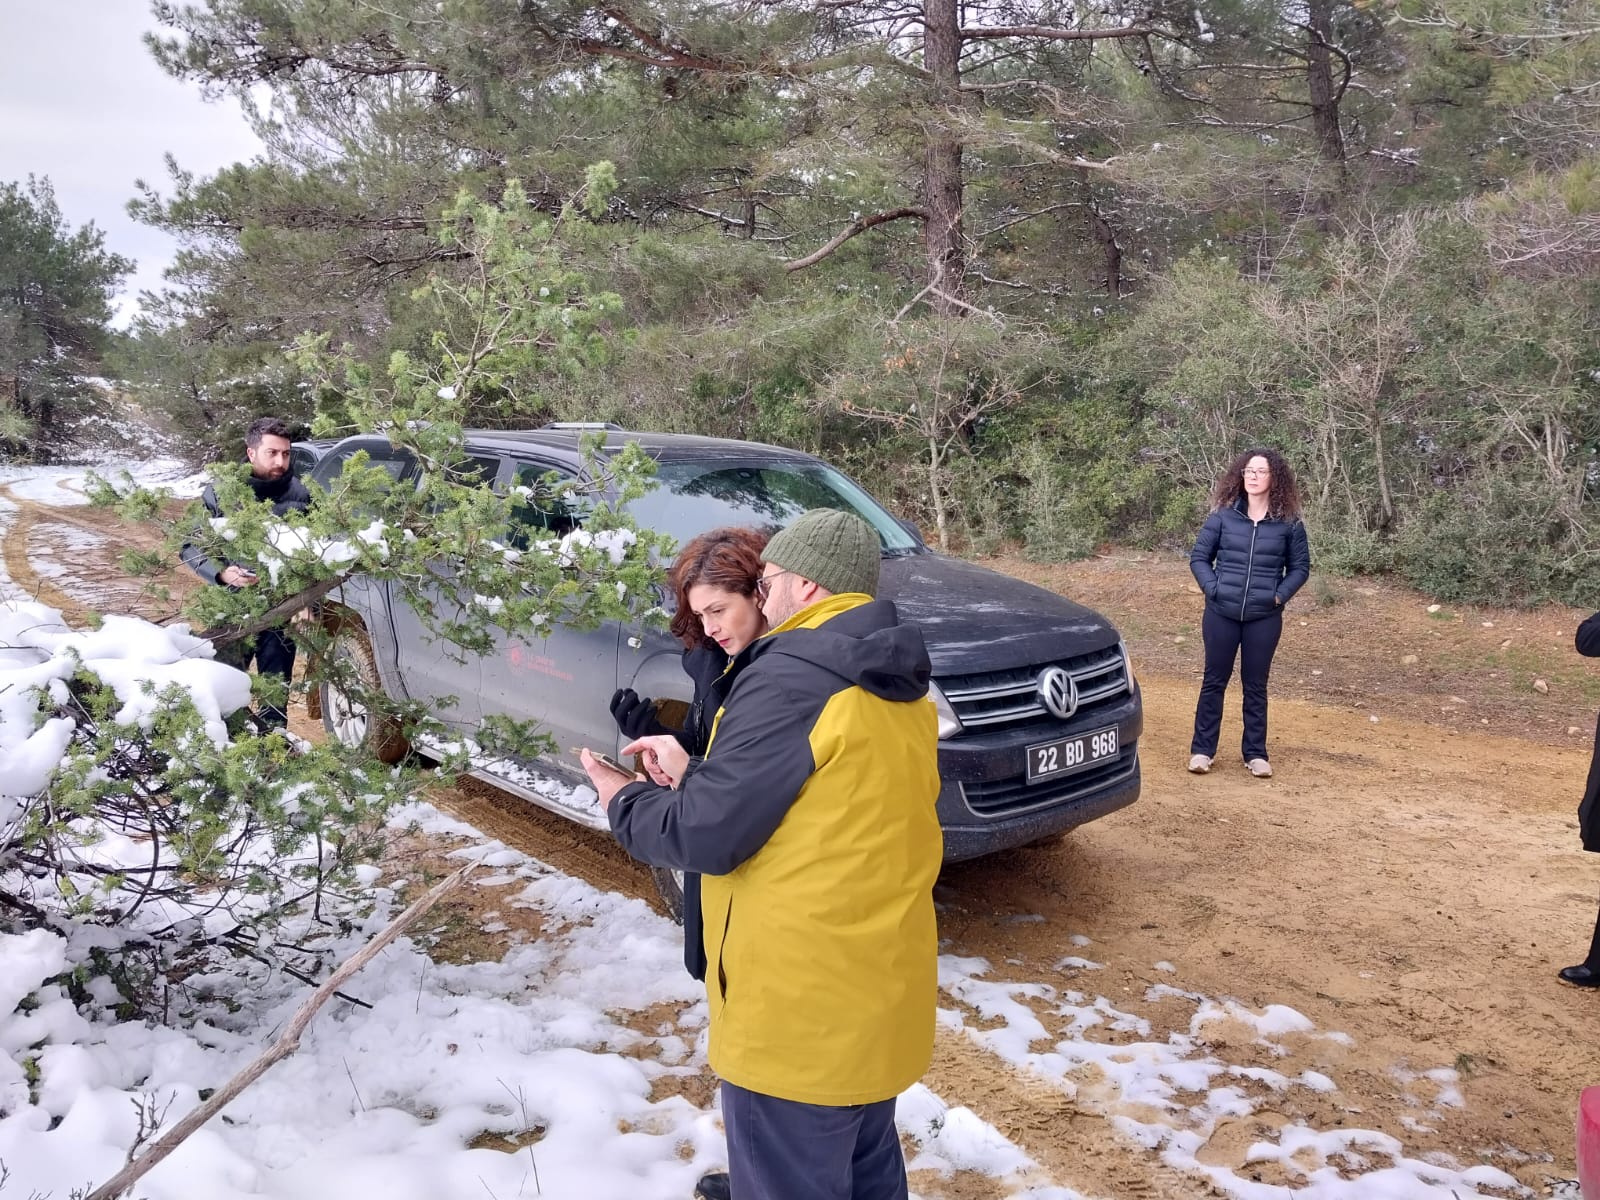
28, 532
14, 551
1073, 1145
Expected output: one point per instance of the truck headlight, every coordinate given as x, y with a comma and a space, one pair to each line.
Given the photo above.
949, 723
1127, 663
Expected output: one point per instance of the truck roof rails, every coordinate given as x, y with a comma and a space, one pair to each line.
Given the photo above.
582, 425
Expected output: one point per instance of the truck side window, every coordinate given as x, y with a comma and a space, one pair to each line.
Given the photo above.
539, 507
398, 464
473, 472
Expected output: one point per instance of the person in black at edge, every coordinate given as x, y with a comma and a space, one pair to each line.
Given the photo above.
1587, 973
272, 479
1250, 558
718, 615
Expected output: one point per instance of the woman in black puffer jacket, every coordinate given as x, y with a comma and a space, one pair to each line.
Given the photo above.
718, 614
1250, 557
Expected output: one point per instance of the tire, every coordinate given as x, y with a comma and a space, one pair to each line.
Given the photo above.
670, 884
346, 719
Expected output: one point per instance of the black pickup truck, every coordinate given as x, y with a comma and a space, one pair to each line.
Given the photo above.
1039, 711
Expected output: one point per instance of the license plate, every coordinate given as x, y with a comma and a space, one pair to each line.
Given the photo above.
1071, 754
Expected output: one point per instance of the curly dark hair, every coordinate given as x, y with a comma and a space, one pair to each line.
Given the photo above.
729, 559
1283, 501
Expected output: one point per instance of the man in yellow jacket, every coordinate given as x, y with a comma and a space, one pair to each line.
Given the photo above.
811, 818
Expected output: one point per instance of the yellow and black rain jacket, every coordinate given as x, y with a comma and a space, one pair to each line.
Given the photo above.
811, 818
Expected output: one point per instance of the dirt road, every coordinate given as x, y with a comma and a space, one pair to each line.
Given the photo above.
1412, 882
1412, 889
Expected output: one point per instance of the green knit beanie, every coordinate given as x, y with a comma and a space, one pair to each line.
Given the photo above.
835, 550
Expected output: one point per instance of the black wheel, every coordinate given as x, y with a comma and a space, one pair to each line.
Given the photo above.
346, 717
670, 884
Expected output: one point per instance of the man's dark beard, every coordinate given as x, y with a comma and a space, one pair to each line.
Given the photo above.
270, 489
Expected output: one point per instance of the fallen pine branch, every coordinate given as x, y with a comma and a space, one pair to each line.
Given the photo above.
286, 1045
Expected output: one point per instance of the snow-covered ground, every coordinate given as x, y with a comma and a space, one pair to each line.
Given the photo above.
383, 1102
65, 485
567, 1047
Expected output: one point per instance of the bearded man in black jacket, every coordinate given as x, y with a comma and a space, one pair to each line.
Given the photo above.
272, 480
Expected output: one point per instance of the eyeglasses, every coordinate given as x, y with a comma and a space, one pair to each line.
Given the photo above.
764, 584
1258, 471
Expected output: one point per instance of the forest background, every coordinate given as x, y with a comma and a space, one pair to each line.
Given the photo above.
1033, 271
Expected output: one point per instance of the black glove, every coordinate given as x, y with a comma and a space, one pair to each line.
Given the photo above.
635, 715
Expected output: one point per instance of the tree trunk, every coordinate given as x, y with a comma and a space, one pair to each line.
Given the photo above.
942, 182
1380, 459
936, 493
1323, 91
1110, 248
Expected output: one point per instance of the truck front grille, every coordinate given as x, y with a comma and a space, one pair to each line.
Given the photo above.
998, 698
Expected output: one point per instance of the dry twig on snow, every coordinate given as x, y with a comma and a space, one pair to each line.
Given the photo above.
286, 1045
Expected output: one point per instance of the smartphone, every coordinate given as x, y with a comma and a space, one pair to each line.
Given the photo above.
606, 760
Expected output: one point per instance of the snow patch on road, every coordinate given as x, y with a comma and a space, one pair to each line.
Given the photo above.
1171, 1096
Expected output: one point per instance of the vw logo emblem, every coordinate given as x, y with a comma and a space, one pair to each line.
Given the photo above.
1057, 692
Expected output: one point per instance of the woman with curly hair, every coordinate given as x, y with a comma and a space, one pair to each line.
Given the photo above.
1250, 557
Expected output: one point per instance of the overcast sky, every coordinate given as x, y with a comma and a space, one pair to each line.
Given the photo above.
82, 101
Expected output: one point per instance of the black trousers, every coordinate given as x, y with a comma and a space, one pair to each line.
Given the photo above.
786, 1150
1593, 961
1253, 643
272, 651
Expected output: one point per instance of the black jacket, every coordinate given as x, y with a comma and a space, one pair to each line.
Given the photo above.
1248, 570
286, 494
1589, 808
708, 667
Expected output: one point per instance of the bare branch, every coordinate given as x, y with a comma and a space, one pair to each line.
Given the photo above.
1030, 216
1051, 33
286, 1045
277, 614
858, 226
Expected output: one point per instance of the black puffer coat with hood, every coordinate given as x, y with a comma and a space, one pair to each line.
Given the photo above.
1249, 569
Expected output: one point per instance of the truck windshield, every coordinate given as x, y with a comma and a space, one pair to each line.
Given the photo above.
690, 498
